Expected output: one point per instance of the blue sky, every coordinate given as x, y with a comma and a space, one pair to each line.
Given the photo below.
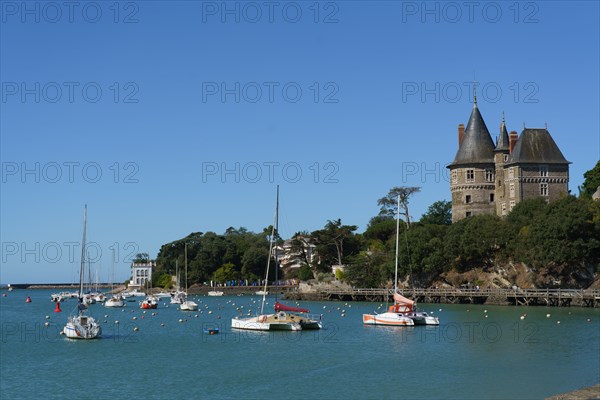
174, 117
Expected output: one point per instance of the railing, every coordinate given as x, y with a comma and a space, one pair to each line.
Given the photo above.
581, 293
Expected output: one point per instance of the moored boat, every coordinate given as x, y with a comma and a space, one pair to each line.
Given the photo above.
80, 325
187, 304
285, 318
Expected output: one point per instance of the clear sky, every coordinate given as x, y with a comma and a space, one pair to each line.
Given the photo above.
168, 118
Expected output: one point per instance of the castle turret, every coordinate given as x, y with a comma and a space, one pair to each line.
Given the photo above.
501, 154
473, 169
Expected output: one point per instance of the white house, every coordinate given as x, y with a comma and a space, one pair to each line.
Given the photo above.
141, 272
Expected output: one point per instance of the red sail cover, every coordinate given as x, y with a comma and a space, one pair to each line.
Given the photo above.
283, 307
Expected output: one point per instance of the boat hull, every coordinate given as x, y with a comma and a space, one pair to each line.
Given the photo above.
387, 319
423, 319
114, 303
188, 306
82, 328
280, 321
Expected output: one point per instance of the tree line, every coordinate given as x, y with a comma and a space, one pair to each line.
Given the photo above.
562, 235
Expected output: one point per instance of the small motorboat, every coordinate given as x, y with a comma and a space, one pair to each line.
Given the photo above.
211, 331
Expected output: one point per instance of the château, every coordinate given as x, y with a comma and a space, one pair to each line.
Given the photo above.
488, 178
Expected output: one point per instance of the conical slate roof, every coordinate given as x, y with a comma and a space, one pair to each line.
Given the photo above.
503, 144
477, 146
536, 146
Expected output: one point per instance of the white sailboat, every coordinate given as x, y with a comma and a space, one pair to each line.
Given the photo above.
116, 300
395, 315
179, 296
187, 305
80, 325
285, 318
214, 292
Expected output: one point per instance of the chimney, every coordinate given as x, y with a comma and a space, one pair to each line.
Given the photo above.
461, 133
512, 140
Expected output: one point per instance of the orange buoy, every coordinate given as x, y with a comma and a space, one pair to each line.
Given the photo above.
57, 309
28, 299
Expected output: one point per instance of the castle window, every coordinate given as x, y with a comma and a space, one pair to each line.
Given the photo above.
454, 176
505, 157
512, 190
544, 170
489, 175
491, 197
468, 199
503, 208
511, 173
512, 204
543, 189
470, 175
469, 213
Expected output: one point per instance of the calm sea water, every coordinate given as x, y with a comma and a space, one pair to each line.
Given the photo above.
474, 354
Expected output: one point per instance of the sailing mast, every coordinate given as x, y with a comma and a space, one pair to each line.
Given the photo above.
274, 240
262, 306
397, 235
82, 256
186, 281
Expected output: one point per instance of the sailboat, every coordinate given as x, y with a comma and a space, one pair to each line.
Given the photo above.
116, 300
214, 292
395, 315
179, 296
187, 305
285, 318
80, 325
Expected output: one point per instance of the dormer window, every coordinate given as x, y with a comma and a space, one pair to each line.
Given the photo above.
544, 171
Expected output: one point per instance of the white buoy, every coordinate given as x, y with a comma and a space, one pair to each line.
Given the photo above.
210, 312
558, 322
46, 323
547, 315
105, 315
522, 317
136, 329
47, 317
117, 322
134, 318
484, 311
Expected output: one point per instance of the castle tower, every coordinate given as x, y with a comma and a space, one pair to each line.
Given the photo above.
472, 173
501, 154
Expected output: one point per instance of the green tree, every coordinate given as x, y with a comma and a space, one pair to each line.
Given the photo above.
141, 258
380, 228
439, 213
225, 273
389, 203
564, 234
305, 273
334, 243
367, 269
475, 242
591, 182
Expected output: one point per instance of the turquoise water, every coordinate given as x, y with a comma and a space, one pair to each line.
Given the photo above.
470, 356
